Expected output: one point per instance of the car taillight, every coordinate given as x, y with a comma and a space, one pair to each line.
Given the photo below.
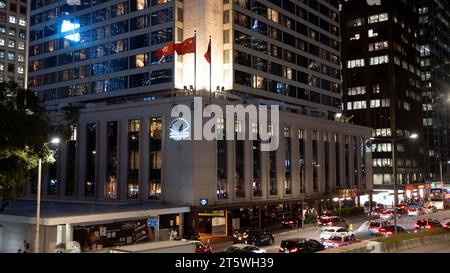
428, 227
294, 250
417, 226
291, 222
281, 249
330, 224
446, 226
389, 233
245, 236
382, 230
320, 223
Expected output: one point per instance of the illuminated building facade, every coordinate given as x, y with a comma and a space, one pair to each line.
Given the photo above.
13, 41
101, 56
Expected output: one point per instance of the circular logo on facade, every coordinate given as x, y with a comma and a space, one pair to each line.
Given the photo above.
179, 129
203, 202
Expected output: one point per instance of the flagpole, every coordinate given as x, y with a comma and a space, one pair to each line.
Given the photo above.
195, 63
210, 70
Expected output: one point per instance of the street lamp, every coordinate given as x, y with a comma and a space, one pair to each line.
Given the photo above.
54, 141
394, 168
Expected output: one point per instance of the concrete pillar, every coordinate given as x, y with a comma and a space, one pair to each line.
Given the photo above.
308, 162
342, 156
181, 225
321, 169
102, 142
144, 162
231, 169
248, 170
123, 159
69, 233
81, 160
265, 174
280, 164
62, 169
295, 162
332, 156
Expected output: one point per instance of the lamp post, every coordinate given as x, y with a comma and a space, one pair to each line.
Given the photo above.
55, 141
394, 168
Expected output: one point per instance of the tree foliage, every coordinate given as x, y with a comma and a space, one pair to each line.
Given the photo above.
24, 130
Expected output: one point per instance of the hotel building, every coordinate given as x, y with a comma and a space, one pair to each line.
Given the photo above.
100, 57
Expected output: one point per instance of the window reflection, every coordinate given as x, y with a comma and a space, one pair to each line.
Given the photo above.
112, 160
133, 159
155, 153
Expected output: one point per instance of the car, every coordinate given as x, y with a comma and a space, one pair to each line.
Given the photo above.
326, 222
416, 211
337, 241
376, 212
298, 246
430, 209
333, 231
427, 225
290, 223
374, 226
244, 248
202, 247
446, 226
254, 237
388, 215
389, 231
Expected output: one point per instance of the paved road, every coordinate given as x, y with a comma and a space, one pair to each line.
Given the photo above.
359, 225
439, 248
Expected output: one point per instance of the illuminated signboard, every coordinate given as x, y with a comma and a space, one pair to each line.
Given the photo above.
68, 26
203, 202
179, 129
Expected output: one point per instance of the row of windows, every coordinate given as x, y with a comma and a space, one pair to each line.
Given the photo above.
12, 19
13, 32
111, 66
14, 6
84, 4
263, 65
258, 82
274, 33
12, 56
109, 85
12, 44
273, 50
377, 103
12, 68
122, 45
70, 28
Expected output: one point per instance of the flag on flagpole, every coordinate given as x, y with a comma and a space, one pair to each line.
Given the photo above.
208, 52
165, 51
187, 46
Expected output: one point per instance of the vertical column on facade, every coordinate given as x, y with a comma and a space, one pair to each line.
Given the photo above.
265, 174
123, 159
100, 164
69, 233
144, 153
321, 152
351, 161
295, 162
358, 154
308, 162
231, 170
341, 139
332, 162
280, 164
62, 168
248, 169
81, 160
181, 225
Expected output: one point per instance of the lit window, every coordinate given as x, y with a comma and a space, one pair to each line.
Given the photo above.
11, 56
2, 42
20, 69
21, 58
11, 43
22, 22
21, 45
12, 19
2, 67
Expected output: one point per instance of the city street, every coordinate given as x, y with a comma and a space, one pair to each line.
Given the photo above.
358, 224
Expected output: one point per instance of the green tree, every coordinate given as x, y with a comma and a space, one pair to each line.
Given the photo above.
24, 131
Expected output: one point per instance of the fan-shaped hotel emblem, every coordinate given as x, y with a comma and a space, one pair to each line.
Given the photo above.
179, 129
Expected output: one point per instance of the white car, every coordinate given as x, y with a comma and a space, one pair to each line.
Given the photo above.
335, 231
244, 248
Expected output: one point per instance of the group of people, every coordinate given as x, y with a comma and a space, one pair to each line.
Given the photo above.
26, 247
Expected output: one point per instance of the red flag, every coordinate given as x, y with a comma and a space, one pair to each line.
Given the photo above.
208, 53
188, 46
166, 50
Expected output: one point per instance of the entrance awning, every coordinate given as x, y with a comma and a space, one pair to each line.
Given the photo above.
58, 213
